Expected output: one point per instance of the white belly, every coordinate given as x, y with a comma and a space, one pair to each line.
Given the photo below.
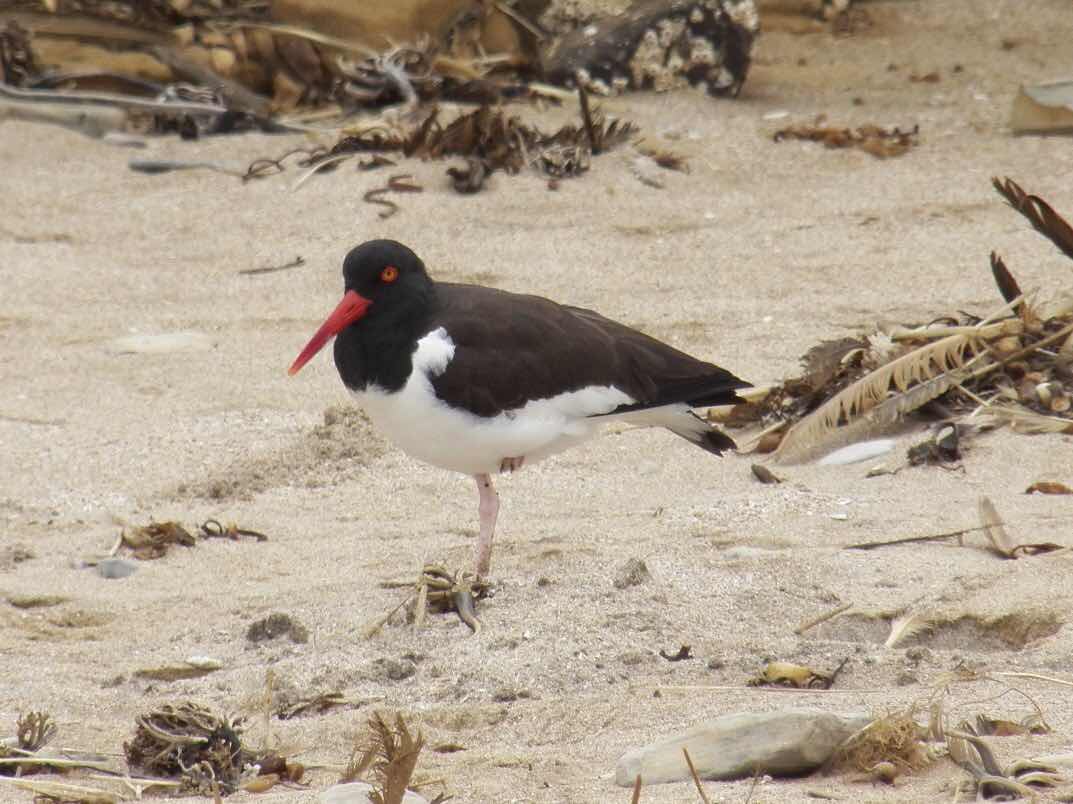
429, 430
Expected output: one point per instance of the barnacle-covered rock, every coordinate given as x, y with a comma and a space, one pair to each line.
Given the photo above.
660, 44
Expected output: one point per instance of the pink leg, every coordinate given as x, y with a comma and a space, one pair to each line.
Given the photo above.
489, 510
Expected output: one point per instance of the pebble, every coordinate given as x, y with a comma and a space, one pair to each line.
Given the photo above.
116, 568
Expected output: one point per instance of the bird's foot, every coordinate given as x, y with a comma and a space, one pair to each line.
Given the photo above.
511, 464
445, 591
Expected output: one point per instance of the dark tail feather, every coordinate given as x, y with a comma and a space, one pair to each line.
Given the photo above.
705, 435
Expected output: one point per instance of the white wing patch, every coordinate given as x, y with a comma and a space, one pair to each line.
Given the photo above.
434, 352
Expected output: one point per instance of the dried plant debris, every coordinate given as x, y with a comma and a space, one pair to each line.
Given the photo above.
488, 137
999, 540
787, 674
1022, 779
446, 591
1031, 723
34, 730
191, 743
1013, 367
684, 652
388, 757
1048, 487
313, 704
895, 737
153, 541
879, 142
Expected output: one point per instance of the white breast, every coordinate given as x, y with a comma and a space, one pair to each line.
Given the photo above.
431, 431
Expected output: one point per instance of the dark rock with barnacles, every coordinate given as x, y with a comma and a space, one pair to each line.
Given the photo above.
660, 44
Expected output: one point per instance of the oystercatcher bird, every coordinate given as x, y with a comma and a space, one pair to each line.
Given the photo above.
479, 380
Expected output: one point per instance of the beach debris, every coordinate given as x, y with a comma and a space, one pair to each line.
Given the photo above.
36, 601
312, 704
633, 572
1048, 487
297, 262
764, 475
895, 738
387, 756
114, 568
1043, 109
822, 618
736, 746
906, 626
1032, 723
468, 179
153, 541
444, 591
194, 667
214, 529
276, 625
881, 143
664, 159
1020, 779
189, 742
396, 184
999, 540
787, 674
1010, 368
940, 449
683, 653
659, 45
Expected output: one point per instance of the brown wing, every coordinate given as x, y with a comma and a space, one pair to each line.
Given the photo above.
512, 348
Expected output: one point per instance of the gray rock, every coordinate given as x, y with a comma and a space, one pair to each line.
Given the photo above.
786, 743
116, 568
358, 793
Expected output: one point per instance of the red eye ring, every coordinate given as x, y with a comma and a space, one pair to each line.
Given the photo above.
389, 274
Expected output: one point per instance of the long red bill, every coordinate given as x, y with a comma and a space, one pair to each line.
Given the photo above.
349, 310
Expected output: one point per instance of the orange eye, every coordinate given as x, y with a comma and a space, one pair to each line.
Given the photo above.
389, 274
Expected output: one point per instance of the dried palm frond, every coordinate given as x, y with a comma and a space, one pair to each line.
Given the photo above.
1039, 213
1024, 420
931, 362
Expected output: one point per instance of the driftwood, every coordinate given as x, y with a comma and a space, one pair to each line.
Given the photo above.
660, 44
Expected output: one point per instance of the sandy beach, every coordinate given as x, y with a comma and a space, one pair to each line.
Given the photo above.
760, 251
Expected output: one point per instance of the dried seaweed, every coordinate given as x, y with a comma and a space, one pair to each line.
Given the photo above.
192, 743
879, 142
1014, 367
153, 541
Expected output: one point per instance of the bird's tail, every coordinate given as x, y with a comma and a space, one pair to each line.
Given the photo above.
681, 421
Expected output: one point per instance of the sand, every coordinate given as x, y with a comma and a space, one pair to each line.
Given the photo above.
757, 253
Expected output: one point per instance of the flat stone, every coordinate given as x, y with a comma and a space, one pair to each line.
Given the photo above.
116, 568
786, 743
